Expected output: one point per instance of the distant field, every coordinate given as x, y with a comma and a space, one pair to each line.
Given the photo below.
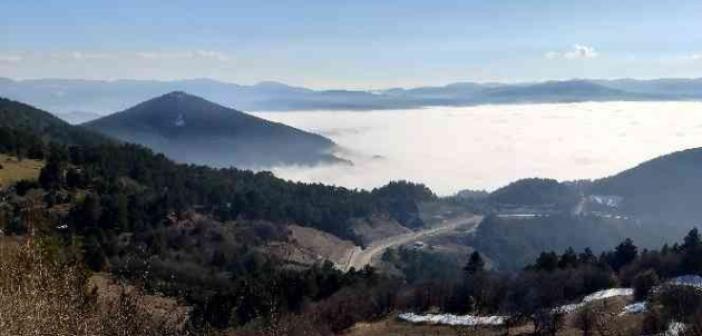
14, 170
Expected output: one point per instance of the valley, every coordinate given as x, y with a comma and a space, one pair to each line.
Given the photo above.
203, 235
351, 168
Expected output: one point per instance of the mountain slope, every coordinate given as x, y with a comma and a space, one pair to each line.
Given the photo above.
191, 129
18, 116
667, 188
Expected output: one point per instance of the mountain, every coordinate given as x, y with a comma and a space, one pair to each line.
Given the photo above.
534, 192
667, 189
671, 88
555, 91
102, 97
19, 116
190, 129
66, 96
653, 203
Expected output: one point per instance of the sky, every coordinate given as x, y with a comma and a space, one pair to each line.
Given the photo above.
369, 44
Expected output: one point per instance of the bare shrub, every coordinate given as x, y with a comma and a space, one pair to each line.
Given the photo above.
42, 295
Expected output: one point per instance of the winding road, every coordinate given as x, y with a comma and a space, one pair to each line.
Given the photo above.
361, 257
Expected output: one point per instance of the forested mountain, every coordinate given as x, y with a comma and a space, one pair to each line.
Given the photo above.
652, 203
667, 189
67, 96
229, 193
535, 192
21, 117
190, 129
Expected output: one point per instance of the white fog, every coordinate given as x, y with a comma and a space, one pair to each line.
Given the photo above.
485, 147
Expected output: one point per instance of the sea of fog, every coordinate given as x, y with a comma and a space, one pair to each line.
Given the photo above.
486, 147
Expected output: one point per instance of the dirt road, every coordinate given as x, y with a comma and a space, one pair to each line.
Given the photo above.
361, 257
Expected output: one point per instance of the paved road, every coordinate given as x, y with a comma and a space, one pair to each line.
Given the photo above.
361, 257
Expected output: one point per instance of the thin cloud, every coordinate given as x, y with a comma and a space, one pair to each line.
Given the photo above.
6, 58
578, 51
201, 54
78, 55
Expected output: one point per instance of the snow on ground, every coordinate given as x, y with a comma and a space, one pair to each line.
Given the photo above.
470, 320
567, 309
599, 295
450, 319
634, 308
608, 293
674, 329
687, 280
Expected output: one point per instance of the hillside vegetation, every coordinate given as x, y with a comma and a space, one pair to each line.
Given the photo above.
21, 117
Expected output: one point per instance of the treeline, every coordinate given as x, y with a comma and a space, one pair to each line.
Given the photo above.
555, 279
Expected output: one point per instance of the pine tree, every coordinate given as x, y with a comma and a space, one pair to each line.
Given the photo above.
692, 253
476, 264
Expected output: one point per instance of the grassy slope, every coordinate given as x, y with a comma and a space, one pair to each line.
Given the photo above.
14, 170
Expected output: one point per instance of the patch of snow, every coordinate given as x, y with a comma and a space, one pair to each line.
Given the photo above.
634, 308
567, 309
687, 280
599, 295
608, 293
455, 320
471, 320
180, 121
611, 201
674, 329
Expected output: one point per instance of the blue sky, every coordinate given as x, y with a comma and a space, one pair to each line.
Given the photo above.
351, 44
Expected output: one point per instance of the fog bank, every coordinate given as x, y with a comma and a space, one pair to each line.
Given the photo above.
485, 147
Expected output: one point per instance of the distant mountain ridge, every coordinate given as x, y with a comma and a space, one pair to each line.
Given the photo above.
65, 96
190, 129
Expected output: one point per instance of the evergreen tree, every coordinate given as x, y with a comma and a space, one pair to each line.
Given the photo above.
476, 264
623, 254
692, 253
52, 176
568, 259
547, 261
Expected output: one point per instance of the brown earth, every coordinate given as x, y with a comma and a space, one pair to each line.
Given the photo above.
376, 228
14, 170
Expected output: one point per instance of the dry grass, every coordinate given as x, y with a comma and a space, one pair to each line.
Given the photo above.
39, 295
14, 170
